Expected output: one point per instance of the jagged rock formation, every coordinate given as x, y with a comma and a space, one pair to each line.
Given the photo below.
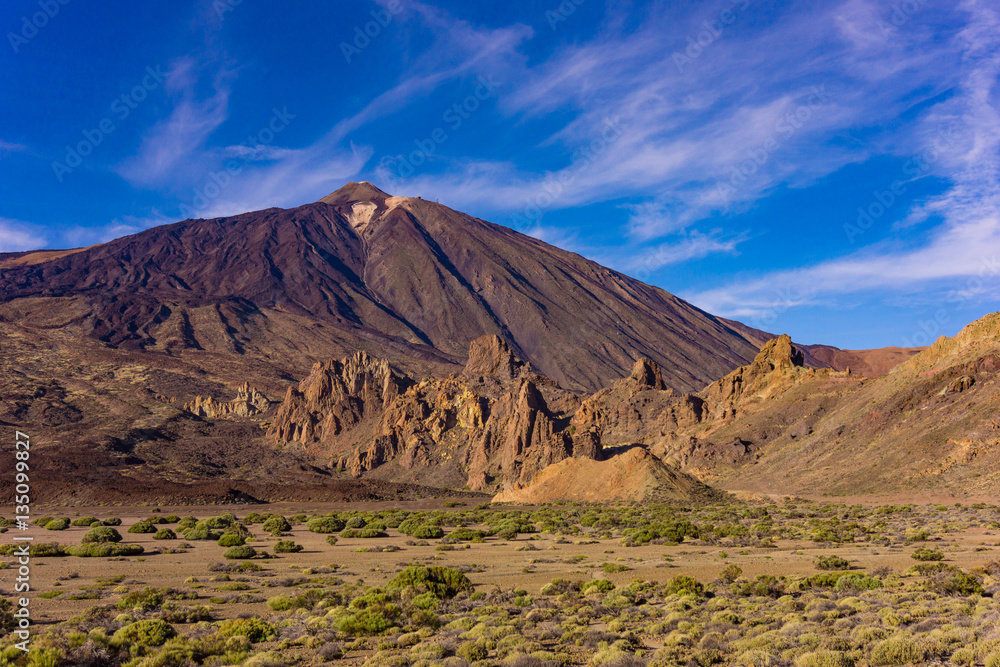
497, 423
249, 402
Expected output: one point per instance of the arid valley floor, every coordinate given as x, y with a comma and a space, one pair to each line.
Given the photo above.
765, 583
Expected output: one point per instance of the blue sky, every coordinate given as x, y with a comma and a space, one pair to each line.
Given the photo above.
826, 169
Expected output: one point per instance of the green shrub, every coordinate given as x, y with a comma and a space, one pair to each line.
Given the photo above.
151, 632
955, 582
57, 524
276, 524
428, 532
199, 531
102, 535
598, 586
441, 582
325, 524
147, 599
825, 659
142, 527
898, 650
857, 582
473, 651
255, 629
239, 553
367, 622
613, 568
171, 518
105, 550
730, 573
832, 563
287, 547
112, 521
331, 540
356, 522
467, 535
165, 534
925, 554
684, 585
231, 540
763, 586
84, 521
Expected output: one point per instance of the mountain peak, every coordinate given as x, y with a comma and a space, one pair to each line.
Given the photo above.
353, 191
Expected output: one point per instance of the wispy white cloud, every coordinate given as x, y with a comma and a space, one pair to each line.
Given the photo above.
173, 145
77, 236
9, 147
17, 235
965, 246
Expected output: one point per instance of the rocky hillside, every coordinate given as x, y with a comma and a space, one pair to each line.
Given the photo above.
404, 279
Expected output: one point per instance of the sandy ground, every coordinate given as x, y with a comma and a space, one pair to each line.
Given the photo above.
495, 562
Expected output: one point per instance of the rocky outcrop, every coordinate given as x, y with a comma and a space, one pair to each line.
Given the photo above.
633, 476
248, 403
335, 397
492, 356
496, 423
778, 365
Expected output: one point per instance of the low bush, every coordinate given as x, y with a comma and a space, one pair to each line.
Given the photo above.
684, 585
925, 554
84, 521
147, 599
57, 524
142, 527
325, 524
276, 524
105, 550
231, 540
112, 521
441, 582
255, 629
287, 547
165, 534
427, 532
240, 553
102, 535
150, 632
832, 563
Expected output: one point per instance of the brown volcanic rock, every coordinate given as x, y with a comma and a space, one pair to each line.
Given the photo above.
495, 426
776, 366
334, 398
405, 279
869, 363
249, 402
633, 476
491, 355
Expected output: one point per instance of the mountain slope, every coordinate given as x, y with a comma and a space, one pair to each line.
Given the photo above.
404, 279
